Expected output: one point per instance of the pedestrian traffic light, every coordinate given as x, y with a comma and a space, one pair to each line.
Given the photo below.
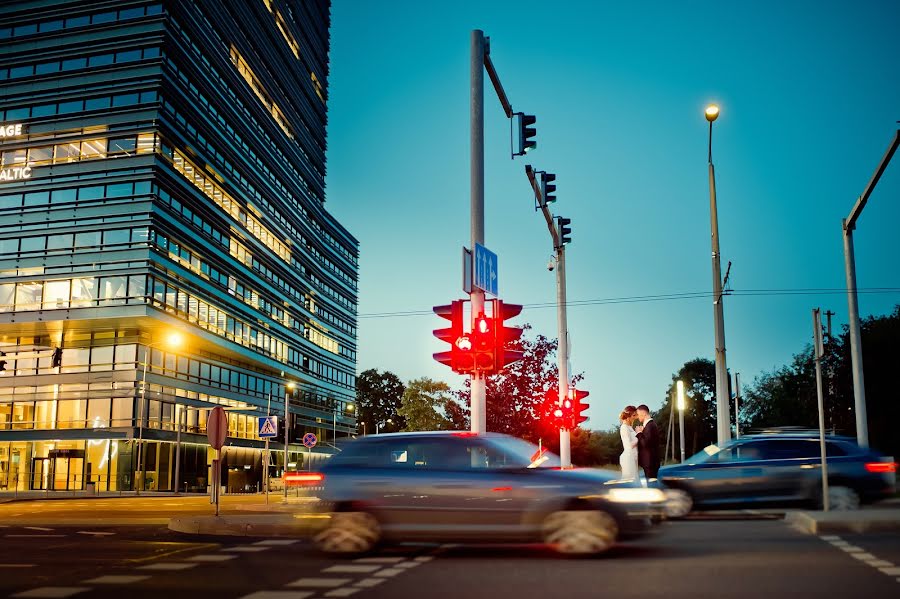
548, 189
56, 360
484, 339
505, 335
576, 396
565, 231
526, 133
460, 357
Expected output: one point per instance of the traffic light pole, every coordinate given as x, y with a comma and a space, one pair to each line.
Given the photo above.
476, 296
565, 448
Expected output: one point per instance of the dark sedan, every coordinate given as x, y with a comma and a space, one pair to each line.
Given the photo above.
782, 469
461, 487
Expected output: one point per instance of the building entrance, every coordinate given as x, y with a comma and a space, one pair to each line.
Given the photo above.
62, 470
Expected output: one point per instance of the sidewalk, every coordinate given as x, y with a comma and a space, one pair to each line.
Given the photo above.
251, 525
885, 519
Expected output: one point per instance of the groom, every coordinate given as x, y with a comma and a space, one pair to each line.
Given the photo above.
648, 443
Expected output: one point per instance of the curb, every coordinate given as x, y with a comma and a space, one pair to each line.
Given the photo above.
817, 523
259, 525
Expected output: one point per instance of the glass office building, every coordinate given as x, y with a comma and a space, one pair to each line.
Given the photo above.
165, 246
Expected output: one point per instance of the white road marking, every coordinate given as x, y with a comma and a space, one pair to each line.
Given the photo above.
17, 565
830, 538
852, 549
345, 592
891, 571
245, 549
320, 583
116, 579
37, 528
369, 582
389, 572
278, 595
379, 560
881, 564
95, 534
276, 542
52, 592
168, 567
424, 558
864, 556
211, 558
408, 565
350, 569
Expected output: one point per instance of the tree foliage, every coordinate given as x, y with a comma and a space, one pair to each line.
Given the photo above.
699, 376
378, 397
428, 405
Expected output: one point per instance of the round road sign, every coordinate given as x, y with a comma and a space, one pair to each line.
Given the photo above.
310, 440
217, 427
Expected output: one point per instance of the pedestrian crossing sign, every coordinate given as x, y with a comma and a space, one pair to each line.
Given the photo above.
268, 426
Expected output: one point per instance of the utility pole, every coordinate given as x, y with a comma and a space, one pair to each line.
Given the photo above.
819, 352
476, 192
737, 405
723, 418
828, 315
848, 225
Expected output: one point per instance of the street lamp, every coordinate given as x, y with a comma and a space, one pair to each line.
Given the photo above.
173, 340
681, 415
723, 419
388, 421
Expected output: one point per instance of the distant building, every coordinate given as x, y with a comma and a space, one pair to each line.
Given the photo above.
163, 171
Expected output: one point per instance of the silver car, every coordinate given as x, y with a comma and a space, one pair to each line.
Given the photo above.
462, 487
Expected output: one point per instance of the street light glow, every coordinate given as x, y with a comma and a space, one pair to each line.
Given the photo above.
681, 395
291, 386
174, 340
712, 112
351, 407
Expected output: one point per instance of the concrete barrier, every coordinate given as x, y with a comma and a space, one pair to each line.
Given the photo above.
251, 525
862, 521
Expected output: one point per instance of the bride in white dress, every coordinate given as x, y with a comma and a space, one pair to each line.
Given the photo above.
629, 458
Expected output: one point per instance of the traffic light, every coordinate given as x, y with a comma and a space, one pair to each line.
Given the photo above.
460, 343
526, 133
548, 189
484, 338
565, 231
56, 360
576, 397
506, 334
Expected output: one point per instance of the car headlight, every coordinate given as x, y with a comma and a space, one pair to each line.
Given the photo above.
636, 495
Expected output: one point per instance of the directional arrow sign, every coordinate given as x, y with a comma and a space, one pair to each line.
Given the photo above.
485, 269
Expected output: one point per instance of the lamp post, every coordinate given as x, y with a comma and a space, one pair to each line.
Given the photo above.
173, 341
388, 421
723, 418
681, 415
287, 422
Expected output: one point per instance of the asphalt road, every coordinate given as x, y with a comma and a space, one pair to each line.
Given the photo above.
704, 558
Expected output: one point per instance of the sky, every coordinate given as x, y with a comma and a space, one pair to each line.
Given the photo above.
810, 98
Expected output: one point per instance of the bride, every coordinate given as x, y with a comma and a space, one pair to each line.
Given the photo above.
629, 458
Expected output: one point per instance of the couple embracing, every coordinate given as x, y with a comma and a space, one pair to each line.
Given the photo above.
640, 444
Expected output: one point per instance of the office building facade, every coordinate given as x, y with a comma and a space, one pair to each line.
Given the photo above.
165, 246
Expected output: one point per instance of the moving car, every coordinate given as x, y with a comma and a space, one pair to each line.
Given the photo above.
781, 468
463, 487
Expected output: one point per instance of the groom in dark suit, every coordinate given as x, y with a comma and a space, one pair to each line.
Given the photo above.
648, 443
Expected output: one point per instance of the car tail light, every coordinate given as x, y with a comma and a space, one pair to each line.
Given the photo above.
303, 478
881, 467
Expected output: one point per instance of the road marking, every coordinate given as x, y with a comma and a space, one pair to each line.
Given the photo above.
424, 558
37, 528
389, 572
211, 558
830, 538
278, 595
350, 569
853, 549
345, 592
276, 542
167, 567
95, 534
881, 564
245, 549
369, 582
17, 565
52, 592
116, 579
320, 583
891, 571
408, 565
379, 560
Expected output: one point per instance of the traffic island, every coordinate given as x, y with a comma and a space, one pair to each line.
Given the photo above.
251, 525
862, 521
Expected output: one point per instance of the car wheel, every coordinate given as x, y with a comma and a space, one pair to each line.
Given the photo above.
580, 532
349, 533
679, 503
842, 499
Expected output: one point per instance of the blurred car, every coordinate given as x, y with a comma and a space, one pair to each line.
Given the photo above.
463, 487
781, 469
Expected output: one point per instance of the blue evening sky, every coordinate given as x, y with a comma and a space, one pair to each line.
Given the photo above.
810, 96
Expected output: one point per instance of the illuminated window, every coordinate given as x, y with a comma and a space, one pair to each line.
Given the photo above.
251, 79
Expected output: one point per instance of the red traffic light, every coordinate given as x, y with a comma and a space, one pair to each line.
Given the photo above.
578, 406
460, 357
506, 334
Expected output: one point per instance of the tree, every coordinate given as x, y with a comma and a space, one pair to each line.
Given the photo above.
378, 397
427, 405
699, 376
516, 398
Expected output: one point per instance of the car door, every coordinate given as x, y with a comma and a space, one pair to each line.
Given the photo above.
729, 476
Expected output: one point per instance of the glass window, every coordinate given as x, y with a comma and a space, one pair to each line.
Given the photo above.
122, 411
84, 291
51, 25
43, 414
78, 21
100, 60
98, 412
128, 56
37, 198
126, 356
131, 13
7, 297
9, 246
11, 201
60, 196
60, 241
15, 114
102, 357
93, 148
118, 189
123, 145
38, 156
116, 236
28, 296
125, 99
47, 67
68, 152
103, 17
101, 103
69, 107
21, 71
56, 294
34, 244
12, 157
113, 290
137, 286
154, 9
75, 359
70, 413
87, 239
152, 52
149, 97
91, 193
74, 63
43, 110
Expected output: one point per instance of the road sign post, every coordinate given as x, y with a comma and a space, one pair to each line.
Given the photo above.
267, 429
216, 431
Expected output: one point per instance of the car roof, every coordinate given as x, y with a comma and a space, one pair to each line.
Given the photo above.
463, 434
805, 436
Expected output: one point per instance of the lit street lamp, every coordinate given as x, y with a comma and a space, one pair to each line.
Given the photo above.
173, 341
723, 419
681, 415
388, 421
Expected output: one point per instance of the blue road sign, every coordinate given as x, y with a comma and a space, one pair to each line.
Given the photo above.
310, 440
485, 269
268, 427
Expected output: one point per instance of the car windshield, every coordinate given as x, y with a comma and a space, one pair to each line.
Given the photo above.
511, 452
710, 453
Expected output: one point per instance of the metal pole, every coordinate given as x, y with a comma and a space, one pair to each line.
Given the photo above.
565, 440
819, 351
140, 448
266, 457
856, 359
723, 419
737, 405
181, 417
476, 109
286, 429
681, 427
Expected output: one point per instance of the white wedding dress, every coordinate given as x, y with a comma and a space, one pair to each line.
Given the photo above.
629, 458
